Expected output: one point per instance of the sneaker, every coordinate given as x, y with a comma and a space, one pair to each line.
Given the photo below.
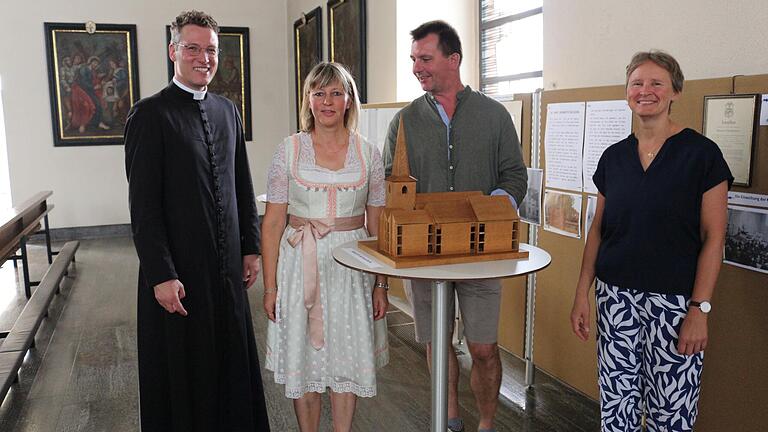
460, 427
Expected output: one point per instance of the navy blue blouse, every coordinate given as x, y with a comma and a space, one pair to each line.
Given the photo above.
650, 233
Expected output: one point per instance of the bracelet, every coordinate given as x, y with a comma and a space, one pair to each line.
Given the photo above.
384, 285
270, 290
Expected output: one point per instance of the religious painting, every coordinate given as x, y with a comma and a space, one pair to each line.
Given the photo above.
233, 75
308, 49
93, 77
347, 39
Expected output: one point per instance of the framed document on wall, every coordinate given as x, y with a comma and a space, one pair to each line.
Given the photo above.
308, 50
730, 122
347, 39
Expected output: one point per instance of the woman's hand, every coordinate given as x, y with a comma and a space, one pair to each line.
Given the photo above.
380, 303
693, 332
270, 300
580, 316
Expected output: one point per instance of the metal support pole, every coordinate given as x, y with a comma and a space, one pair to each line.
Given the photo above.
25, 266
48, 240
530, 309
440, 344
530, 295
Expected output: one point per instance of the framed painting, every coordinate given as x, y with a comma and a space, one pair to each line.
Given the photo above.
93, 77
308, 49
233, 76
347, 39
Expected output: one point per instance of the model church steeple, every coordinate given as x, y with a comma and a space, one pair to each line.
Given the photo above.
401, 187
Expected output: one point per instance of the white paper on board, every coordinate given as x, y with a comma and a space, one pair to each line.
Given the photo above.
607, 122
563, 142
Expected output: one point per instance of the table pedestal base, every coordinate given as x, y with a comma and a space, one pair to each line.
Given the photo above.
440, 345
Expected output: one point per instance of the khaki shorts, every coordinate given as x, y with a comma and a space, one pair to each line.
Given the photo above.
479, 301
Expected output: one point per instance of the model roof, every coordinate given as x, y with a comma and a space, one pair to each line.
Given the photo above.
492, 208
408, 217
422, 199
451, 211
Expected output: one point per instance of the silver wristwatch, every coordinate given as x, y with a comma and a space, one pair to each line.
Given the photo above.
705, 306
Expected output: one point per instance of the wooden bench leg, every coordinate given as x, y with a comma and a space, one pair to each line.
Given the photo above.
25, 266
48, 239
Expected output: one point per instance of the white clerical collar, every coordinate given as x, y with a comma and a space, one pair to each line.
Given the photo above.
196, 94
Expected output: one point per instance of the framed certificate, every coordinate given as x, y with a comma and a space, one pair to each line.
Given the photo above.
730, 122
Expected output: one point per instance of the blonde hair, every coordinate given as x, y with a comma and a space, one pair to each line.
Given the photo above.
320, 76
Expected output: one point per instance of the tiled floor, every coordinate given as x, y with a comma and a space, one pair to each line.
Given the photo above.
83, 375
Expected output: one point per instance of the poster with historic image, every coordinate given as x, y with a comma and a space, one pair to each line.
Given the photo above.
530, 208
746, 241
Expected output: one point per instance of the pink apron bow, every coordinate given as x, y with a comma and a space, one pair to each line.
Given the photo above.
308, 231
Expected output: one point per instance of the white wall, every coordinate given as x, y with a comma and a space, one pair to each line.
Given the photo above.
89, 182
589, 42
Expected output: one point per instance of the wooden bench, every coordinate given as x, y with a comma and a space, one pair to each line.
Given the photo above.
22, 336
18, 223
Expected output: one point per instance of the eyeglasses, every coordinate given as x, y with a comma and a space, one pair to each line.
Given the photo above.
195, 50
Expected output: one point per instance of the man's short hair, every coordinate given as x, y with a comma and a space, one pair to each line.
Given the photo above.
193, 17
447, 38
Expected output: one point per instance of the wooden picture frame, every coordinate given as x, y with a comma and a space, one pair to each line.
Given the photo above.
93, 78
308, 51
347, 39
730, 121
233, 76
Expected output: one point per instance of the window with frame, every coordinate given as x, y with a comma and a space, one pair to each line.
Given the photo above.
511, 46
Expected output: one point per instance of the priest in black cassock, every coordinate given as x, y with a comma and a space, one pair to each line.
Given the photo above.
196, 231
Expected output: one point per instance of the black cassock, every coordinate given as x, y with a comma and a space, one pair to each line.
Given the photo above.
194, 216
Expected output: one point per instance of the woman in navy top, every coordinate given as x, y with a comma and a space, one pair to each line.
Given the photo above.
655, 246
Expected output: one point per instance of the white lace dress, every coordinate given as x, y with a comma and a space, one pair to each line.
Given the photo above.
355, 345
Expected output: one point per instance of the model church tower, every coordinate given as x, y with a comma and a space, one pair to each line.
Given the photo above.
401, 187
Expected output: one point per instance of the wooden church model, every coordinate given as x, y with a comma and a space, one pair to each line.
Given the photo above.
420, 229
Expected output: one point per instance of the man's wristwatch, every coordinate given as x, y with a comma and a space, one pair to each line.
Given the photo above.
705, 306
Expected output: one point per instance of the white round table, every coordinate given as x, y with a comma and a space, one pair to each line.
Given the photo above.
349, 255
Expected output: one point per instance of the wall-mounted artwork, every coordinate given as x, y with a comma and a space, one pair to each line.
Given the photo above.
347, 39
93, 77
233, 76
308, 50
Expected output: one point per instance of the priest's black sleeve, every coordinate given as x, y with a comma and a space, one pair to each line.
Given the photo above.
248, 213
144, 155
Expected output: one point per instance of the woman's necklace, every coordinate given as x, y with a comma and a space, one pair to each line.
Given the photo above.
652, 154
